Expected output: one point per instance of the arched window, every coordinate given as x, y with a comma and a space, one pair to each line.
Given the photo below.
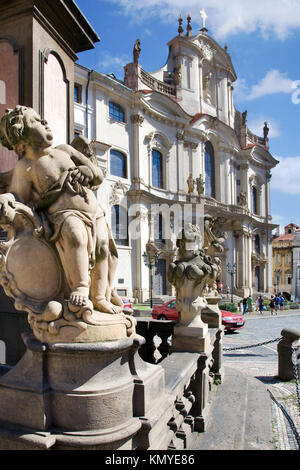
159, 231
116, 112
254, 200
119, 225
118, 164
209, 162
157, 169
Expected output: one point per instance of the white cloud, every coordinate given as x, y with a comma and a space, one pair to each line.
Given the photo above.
273, 82
113, 64
285, 176
256, 125
269, 17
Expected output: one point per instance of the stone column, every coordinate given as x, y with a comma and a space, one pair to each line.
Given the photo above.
136, 122
244, 181
180, 162
268, 197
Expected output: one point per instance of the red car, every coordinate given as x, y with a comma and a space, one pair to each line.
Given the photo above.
126, 303
167, 311
232, 321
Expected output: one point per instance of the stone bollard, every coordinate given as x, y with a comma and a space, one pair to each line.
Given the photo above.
291, 338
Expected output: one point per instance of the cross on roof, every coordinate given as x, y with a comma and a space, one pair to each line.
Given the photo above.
203, 16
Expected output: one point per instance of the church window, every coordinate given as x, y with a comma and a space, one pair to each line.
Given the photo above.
119, 225
257, 244
254, 200
118, 164
209, 162
157, 169
77, 93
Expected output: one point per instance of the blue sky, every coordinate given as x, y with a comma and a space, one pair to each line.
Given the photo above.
263, 38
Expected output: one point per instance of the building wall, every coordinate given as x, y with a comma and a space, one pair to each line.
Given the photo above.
178, 129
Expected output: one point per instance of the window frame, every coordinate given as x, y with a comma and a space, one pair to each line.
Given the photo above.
162, 172
114, 116
209, 150
124, 155
115, 225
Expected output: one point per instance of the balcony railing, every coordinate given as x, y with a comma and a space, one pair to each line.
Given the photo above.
157, 85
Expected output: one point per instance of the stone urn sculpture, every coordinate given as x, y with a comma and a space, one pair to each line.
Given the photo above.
190, 274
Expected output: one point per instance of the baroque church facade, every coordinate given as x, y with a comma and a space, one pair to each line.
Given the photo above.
170, 142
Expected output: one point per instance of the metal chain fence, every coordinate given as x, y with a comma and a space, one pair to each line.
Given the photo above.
294, 360
253, 345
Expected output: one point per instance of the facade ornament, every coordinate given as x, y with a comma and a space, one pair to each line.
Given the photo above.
207, 51
136, 51
180, 28
118, 190
200, 184
189, 26
58, 229
180, 135
137, 119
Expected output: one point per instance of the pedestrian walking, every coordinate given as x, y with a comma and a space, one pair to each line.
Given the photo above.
245, 305
249, 303
272, 305
282, 299
257, 304
277, 303
260, 304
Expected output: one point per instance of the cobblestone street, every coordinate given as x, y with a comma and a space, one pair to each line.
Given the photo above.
262, 364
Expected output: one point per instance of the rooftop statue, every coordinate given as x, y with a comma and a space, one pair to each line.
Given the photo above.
60, 258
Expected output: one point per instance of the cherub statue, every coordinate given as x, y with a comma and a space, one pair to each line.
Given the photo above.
57, 184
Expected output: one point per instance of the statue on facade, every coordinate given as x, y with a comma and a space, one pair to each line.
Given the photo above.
191, 184
177, 75
136, 51
206, 87
244, 118
200, 184
243, 199
60, 258
266, 131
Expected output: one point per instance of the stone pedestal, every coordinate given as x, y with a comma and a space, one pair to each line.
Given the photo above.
290, 340
77, 396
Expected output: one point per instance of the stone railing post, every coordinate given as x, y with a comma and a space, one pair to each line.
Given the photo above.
290, 340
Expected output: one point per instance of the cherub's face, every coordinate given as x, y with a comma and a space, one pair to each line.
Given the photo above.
36, 130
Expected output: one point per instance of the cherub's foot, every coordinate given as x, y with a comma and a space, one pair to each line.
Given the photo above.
102, 305
116, 299
79, 298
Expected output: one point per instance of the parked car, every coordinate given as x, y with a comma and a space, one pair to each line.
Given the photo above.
232, 321
126, 303
167, 311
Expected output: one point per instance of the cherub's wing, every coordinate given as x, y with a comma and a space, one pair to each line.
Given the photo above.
83, 145
5, 179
